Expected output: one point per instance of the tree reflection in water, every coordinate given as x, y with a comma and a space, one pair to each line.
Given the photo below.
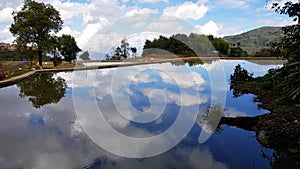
43, 89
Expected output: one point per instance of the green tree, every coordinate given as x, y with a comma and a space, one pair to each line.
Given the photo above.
123, 51
125, 48
237, 51
118, 53
290, 43
220, 44
53, 48
134, 52
34, 24
68, 47
85, 56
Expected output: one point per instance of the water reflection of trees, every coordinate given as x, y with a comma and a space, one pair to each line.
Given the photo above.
43, 89
190, 62
279, 160
240, 75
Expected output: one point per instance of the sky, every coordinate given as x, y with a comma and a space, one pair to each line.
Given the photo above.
96, 23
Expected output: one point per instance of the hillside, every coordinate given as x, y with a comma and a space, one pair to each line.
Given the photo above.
256, 39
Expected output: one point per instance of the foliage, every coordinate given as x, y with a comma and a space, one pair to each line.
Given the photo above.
289, 8
165, 46
68, 47
32, 55
43, 89
237, 51
183, 45
34, 25
268, 52
220, 45
240, 74
283, 83
290, 43
190, 61
53, 49
6, 55
124, 51
85, 56
13, 73
254, 40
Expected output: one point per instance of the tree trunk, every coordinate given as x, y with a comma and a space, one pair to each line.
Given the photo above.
40, 54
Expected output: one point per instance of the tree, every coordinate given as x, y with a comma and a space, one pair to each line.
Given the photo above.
123, 51
134, 52
53, 48
237, 51
289, 8
240, 75
124, 48
34, 25
220, 44
85, 56
118, 53
68, 47
290, 43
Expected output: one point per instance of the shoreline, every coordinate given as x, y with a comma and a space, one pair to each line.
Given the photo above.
278, 129
141, 61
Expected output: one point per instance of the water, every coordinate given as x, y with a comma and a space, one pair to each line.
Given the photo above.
53, 120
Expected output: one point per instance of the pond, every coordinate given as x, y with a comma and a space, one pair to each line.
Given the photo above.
149, 116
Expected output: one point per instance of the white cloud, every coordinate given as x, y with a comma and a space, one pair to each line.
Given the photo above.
66, 13
143, 78
6, 15
140, 12
180, 99
68, 31
218, 29
165, 26
107, 8
5, 35
88, 35
187, 10
183, 79
10, 3
152, 1
275, 22
210, 28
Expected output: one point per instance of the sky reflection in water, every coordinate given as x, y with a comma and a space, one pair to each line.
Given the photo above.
51, 136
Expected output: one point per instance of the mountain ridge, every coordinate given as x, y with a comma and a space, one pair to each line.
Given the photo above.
254, 40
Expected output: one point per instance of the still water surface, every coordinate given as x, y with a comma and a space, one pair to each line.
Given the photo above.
41, 128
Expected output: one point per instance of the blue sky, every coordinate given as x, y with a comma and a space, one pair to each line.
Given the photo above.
84, 19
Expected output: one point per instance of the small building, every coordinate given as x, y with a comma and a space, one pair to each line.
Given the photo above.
6, 46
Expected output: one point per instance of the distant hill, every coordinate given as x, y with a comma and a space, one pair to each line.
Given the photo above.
256, 39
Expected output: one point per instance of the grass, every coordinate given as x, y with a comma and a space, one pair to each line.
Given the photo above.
13, 73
